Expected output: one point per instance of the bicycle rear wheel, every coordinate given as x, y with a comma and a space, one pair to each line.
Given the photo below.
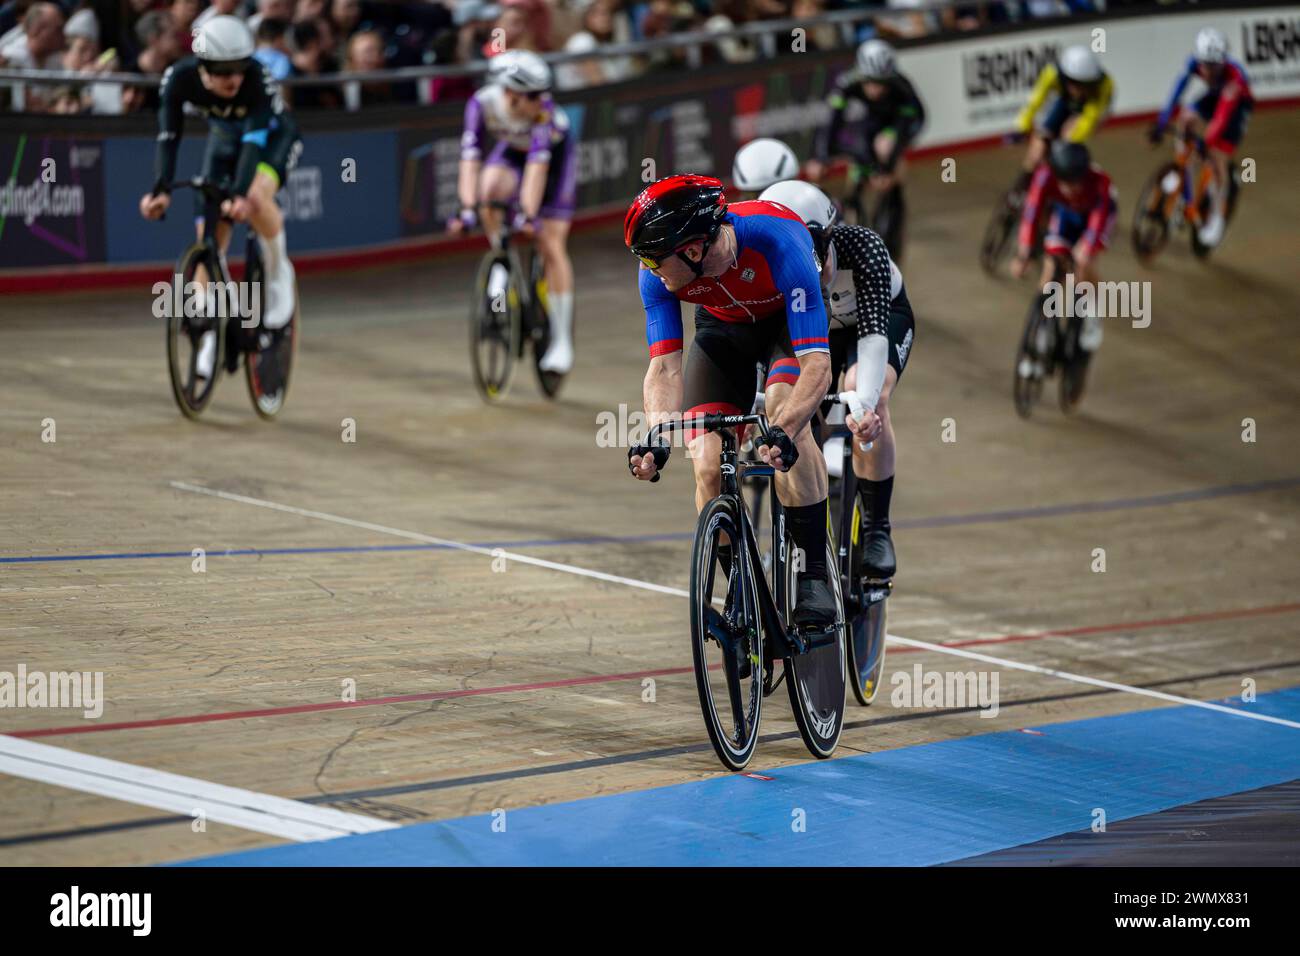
269, 361
186, 335
540, 333
864, 611
495, 328
726, 635
816, 678
1074, 367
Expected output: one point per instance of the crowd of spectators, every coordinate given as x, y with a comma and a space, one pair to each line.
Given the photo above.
334, 38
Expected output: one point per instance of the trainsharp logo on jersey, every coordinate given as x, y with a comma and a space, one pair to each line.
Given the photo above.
134, 910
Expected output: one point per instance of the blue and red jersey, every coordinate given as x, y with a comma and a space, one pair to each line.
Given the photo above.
1093, 202
1233, 88
775, 271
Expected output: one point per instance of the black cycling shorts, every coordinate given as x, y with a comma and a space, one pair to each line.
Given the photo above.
902, 330
221, 156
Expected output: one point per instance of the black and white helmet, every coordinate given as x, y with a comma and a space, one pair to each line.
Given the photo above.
810, 204
761, 163
1211, 46
876, 60
223, 39
520, 70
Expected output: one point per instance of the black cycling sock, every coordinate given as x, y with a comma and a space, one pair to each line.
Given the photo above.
807, 526
875, 496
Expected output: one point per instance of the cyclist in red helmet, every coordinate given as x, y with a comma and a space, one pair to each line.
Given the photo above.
750, 270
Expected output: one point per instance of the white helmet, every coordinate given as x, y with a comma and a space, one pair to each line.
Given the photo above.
520, 70
1077, 63
223, 39
763, 162
1211, 46
876, 60
810, 204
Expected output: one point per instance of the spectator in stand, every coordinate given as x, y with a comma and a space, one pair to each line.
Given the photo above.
525, 25
183, 14
273, 47
474, 20
307, 58
346, 15
602, 23
66, 100
822, 37
37, 46
38, 43
159, 49
366, 53
81, 36
310, 10
273, 9
216, 8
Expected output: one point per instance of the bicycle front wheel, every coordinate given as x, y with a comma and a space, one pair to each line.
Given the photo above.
1031, 359
495, 326
816, 678
1151, 218
726, 633
195, 340
997, 234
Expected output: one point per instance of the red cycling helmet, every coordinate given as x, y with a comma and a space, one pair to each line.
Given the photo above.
671, 213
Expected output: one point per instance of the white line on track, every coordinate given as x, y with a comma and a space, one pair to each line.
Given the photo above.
646, 585
278, 816
1094, 681
431, 539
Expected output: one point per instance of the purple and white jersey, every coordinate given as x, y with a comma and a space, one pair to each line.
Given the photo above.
486, 113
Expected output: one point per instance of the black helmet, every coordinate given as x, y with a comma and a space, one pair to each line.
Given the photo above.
673, 212
1069, 161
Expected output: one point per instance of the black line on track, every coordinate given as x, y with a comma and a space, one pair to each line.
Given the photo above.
575, 765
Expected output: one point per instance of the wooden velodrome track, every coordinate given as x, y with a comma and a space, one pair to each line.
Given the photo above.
526, 686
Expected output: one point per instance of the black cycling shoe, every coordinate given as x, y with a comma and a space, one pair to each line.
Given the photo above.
815, 605
878, 559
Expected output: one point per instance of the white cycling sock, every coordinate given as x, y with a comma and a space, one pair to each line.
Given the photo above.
559, 356
279, 281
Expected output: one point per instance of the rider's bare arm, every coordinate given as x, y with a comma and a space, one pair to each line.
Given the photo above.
662, 390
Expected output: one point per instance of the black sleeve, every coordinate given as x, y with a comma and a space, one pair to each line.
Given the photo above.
828, 135
863, 252
910, 117
171, 124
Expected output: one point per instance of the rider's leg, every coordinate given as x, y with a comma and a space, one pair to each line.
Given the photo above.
802, 491
875, 473
267, 221
497, 183
1212, 232
552, 242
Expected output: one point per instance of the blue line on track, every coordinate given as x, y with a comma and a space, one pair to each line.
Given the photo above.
940, 521
915, 806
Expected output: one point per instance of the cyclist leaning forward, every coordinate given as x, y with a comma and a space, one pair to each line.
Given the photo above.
252, 141
1079, 202
533, 164
1219, 114
1081, 92
750, 271
894, 119
871, 332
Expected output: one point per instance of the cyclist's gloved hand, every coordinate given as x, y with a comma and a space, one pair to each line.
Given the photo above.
778, 439
525, 222
1155, 134
658, 452
464, 221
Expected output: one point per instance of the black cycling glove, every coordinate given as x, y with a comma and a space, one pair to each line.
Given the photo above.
660, 453
777, 438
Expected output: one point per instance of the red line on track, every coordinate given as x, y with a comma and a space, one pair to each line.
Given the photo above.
89, 728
